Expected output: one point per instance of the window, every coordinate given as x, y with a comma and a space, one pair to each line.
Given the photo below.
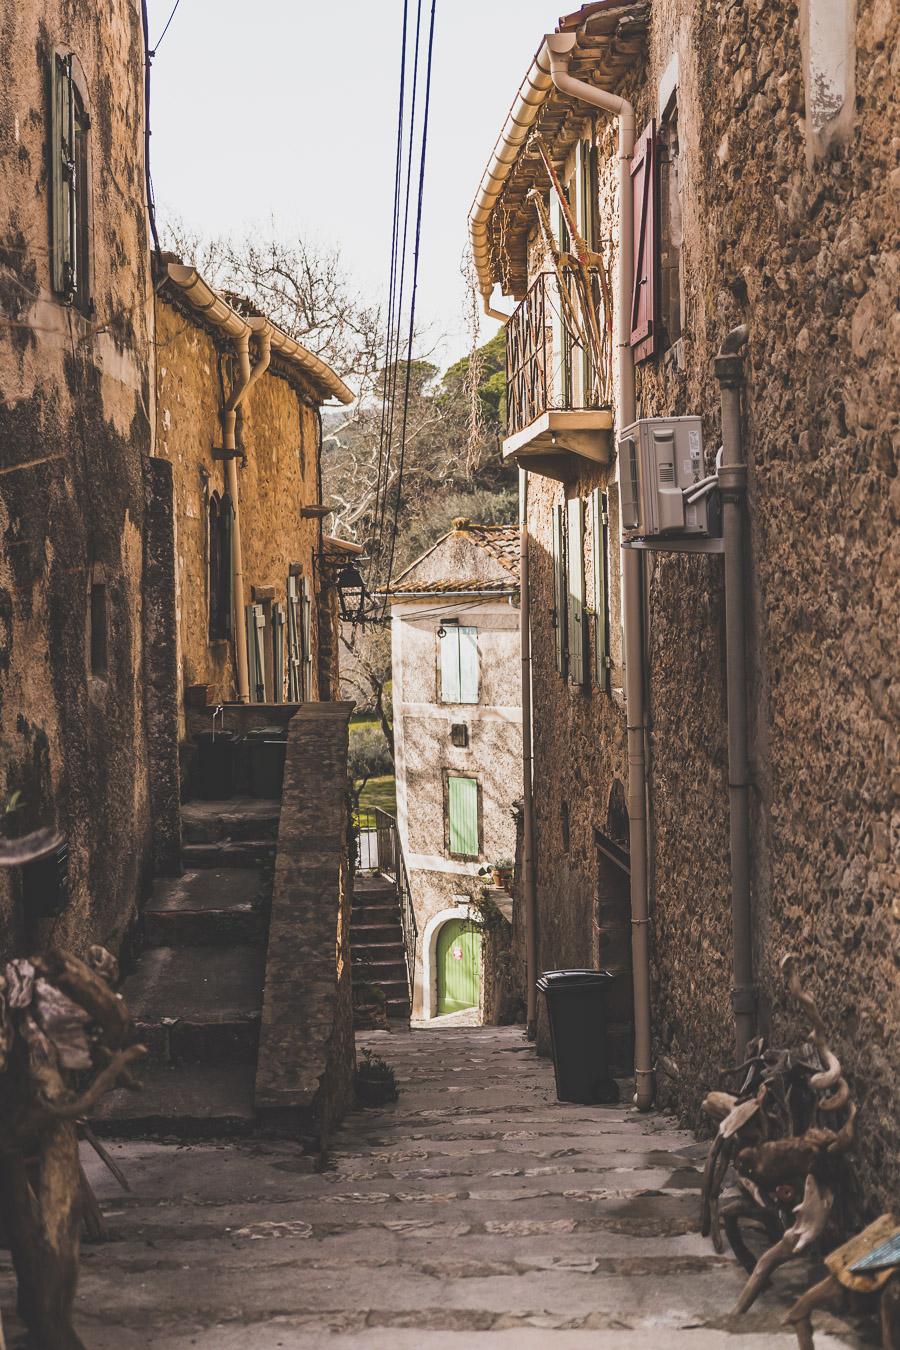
299, 610
670, 234
459, 735
278, 653
462, 816
69, 184
256, 652
220, 535
575, 587
559, 589
599, 540
459, 664
98, 632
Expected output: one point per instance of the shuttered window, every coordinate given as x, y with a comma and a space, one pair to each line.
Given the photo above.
645, 189
575, 594
256, 661
559, 588
220, 563
463, 816
599, 537
306, 639
69, 185
293, 641
278, 653
459, 664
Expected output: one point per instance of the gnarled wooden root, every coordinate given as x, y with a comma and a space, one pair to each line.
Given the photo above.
812, 1216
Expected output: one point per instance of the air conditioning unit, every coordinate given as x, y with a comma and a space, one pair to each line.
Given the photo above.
660, 470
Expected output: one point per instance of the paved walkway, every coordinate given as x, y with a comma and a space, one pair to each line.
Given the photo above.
476, 1213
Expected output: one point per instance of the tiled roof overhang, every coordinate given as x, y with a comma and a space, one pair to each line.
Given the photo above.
611, 37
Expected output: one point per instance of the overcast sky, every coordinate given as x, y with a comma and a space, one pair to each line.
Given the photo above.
288, 108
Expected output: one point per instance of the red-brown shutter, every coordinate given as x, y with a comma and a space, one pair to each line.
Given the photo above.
644, 303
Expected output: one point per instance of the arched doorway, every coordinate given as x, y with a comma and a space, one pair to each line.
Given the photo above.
458, 966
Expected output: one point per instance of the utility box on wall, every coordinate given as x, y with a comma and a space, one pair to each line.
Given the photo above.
660, 471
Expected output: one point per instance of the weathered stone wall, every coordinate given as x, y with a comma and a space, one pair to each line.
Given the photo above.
803, 249
307, 1053
278, 434
76, 408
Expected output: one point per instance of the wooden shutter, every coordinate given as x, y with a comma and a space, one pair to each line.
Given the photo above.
645, 191
575, 570
226, 567
278, 653
450, 665
584, 168
293, 632
62, 174
463, 816
468, 665
599, 532
559, 588
306, 639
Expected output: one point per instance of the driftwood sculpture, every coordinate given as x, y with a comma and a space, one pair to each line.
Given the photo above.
785, 1135
65, 1038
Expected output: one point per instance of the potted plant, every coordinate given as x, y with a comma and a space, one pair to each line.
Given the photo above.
376, 1082
503, 872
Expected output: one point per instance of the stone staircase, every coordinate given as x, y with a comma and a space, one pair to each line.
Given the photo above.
197, 991
378, 953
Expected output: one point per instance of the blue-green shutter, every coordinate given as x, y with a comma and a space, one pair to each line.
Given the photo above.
62, 174
450, 665
306, 639
463, 811
599, 523
575, 578
293, 632
559, 589
278, 653
256, 661
468, 665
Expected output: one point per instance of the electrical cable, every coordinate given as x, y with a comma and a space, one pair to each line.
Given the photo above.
166, 29
412, 307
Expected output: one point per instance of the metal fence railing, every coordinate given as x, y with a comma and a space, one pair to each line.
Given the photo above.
380, 851
551, 362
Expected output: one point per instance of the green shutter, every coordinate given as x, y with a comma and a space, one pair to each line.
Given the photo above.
463, 811
586, 226
599, 522
450, 665
559, 589
256, 661
468, 665
278, 653
293, 629
62, 173
306, 638
575, 570
226, 566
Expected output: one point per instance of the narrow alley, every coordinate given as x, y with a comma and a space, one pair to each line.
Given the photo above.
475, 1211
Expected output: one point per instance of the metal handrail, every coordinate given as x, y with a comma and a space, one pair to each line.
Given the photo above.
389, 861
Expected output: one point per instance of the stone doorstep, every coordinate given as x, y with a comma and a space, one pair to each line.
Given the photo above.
231, 853
204, 822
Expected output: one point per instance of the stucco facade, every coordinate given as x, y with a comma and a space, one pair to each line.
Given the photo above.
76, 425
783, 186
437, 737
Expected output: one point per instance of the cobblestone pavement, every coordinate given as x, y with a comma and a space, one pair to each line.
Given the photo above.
476, 1212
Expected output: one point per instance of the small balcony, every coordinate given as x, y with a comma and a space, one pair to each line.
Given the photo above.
558, 393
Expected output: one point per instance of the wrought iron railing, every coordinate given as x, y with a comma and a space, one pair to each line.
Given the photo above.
380, 850
551, 358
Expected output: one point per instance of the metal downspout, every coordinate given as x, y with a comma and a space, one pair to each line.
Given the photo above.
559, 46
245, 382
528, 878
729, 371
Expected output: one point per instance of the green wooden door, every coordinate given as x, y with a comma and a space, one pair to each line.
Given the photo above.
458, 966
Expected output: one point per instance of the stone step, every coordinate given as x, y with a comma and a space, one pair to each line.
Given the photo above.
369, 934
395, 987
237, 818
384, 965
209, 907
198, 1004
374, 914
369, 889
189, 1101
398, 1007
377, 951
231, 853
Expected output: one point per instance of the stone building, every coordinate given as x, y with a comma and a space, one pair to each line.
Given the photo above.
76, 434
274, 517
457, 742
764, 188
